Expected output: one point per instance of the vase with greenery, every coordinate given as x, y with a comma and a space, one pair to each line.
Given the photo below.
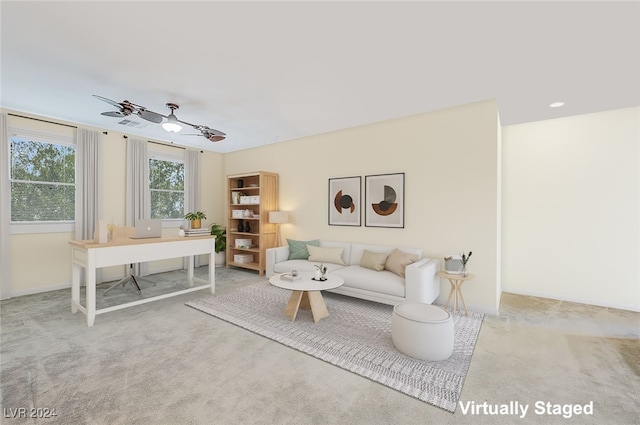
220, 232
196, 218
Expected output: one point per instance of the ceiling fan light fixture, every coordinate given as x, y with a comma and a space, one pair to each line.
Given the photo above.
172, 125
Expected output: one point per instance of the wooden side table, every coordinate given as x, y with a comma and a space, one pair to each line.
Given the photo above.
456, 281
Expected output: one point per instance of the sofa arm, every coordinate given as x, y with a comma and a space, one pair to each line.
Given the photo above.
274, 256
422, 284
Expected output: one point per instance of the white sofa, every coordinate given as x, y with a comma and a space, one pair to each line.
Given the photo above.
420, 284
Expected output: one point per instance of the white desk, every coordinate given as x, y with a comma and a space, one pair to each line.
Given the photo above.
90, 255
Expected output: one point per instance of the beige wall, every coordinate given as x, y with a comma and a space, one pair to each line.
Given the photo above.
451, 163
571, 205
567, 224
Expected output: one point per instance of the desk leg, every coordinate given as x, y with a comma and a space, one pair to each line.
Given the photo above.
75, 287
212, 271
190, 261
91, 290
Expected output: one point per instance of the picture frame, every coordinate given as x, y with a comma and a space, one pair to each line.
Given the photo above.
384, 200
344, 201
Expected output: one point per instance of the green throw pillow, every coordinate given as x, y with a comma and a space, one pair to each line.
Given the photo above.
298, 249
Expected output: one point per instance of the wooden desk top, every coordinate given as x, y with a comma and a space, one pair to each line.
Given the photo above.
90, 243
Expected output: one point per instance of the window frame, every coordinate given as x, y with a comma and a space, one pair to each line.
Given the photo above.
170, 223
31, 227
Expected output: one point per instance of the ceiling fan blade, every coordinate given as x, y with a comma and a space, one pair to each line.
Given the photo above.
207, 130
116, 114
154, 117
109, 101
214, 138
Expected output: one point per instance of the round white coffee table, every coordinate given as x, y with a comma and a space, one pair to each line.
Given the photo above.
306, 294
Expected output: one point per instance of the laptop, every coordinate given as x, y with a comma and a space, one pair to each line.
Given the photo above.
148, 229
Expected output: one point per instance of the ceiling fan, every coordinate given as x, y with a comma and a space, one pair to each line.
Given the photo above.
169, 122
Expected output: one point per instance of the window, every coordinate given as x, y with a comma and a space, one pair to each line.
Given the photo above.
166, 182
42, 179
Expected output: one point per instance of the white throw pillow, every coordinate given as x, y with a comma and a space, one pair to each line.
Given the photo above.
325, 255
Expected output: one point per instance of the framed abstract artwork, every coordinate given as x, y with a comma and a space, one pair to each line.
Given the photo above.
344, 201
384, 200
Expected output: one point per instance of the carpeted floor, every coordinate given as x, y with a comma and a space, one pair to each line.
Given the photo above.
356, 336
166, 363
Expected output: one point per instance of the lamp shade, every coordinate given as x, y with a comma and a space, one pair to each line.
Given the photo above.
278, 217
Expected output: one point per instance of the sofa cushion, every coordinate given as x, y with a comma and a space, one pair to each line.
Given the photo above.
302, 266
358, 249
398, 260
325, 255
373, 260
345, 245
298, 249
383, 282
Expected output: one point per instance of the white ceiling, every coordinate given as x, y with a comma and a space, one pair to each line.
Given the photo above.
265, 72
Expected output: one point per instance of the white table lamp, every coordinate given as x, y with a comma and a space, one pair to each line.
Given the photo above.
278, 218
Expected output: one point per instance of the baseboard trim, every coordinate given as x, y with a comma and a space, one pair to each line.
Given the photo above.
57, 287
40, 290
577, 300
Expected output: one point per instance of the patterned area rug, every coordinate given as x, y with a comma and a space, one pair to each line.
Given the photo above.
356, 336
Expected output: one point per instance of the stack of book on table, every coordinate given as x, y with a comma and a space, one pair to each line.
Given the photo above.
197, 232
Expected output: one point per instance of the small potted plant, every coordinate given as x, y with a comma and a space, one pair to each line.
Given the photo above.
220, 233
196, 218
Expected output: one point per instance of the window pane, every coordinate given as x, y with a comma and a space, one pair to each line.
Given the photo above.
42, 181
167, 204
41, 161
42, 202
166, 175
166, 181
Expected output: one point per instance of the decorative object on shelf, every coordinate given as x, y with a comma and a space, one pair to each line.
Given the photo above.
344, 201
181, 231
465, 260
196, 218
240, 183
384, 200
321, 271
247, 227
240, 226
278, 218
248, 213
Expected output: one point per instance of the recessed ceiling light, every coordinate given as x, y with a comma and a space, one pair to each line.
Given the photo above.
556, 104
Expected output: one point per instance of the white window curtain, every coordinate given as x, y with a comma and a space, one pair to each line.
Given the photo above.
5, 211
88, 183
192, 186
138, 195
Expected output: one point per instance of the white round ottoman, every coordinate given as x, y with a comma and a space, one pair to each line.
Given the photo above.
422, 331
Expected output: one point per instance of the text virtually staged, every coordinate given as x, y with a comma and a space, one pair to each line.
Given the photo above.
521, 410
